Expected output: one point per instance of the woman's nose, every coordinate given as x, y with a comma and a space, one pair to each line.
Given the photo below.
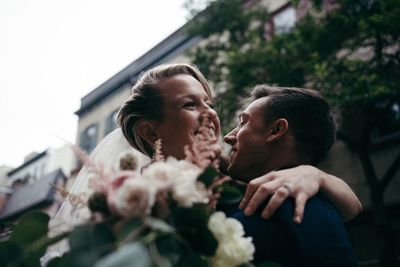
211, 112
213, 118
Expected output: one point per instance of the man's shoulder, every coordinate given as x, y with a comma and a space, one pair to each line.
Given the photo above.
321, 235
274, 238
282, 212
315, 207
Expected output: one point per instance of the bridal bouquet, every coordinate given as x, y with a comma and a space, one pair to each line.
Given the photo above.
162, 216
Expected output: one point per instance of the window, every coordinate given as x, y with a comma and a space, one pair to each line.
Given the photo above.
88, 138
284, 20
387, 127
111, 122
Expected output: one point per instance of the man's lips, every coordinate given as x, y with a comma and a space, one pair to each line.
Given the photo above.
232, 154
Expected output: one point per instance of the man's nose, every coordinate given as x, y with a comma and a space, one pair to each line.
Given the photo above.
230, 138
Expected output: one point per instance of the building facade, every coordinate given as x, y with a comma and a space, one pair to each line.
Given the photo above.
32, 184
38, 165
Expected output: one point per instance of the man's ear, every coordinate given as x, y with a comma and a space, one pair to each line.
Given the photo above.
277, 130
146, 130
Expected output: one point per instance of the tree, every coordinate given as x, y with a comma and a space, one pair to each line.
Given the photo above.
349, 50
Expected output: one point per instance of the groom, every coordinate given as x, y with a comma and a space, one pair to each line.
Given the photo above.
283, 128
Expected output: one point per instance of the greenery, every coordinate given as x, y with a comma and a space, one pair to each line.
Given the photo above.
351, 54
349, 50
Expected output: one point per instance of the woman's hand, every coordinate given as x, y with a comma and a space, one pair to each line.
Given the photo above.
301, 183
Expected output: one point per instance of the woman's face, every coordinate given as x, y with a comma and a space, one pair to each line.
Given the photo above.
184, 100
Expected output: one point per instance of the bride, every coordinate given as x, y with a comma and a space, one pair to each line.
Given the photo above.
165, 104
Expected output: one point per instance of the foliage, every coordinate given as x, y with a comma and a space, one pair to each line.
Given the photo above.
349, 51
28, 241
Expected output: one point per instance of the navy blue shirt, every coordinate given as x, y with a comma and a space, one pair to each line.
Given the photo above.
319, 241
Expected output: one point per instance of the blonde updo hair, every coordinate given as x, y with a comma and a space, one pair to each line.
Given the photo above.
146, 101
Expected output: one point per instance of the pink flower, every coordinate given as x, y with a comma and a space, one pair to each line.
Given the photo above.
134, 198
121, 177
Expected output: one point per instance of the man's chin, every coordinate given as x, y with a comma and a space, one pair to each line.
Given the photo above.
234, 173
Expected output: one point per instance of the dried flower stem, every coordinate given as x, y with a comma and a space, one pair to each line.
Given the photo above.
158, 155
88, 162
77, 201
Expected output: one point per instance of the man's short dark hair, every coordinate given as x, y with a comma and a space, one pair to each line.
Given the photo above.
311, 119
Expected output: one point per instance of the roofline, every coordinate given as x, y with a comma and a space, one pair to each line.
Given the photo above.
177, 41
23, 165
34, 206
49, 199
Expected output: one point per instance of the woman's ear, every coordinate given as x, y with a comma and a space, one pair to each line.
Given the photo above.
146, 130
278, 129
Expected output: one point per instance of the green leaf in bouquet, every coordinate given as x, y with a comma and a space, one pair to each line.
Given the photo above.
184, 217
56, 262
172, 250
28, 239
247, 264
205, 241
207, 177
10, 254
88, 237
268, 264
192, 224
171, 247
230, 194
129, 229
131, 254
80, 258
31, 227
192, 260
159, 225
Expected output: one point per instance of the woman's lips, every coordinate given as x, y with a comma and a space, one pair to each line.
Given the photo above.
211, 133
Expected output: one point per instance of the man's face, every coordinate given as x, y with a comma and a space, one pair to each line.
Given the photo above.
249, 153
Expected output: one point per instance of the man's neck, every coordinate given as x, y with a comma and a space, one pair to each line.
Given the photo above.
279, 163
275, 165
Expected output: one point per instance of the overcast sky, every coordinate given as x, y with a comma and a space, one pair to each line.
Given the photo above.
53, 52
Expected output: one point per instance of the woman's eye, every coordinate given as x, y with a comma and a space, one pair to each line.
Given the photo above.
211, 105
189, 104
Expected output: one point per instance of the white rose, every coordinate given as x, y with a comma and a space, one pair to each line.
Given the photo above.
162, 173
223, 227
180, 178
233, 248
187, 190
134, 198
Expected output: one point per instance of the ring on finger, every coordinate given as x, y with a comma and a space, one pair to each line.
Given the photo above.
288, 188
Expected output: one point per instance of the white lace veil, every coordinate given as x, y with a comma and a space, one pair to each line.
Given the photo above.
106, 153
